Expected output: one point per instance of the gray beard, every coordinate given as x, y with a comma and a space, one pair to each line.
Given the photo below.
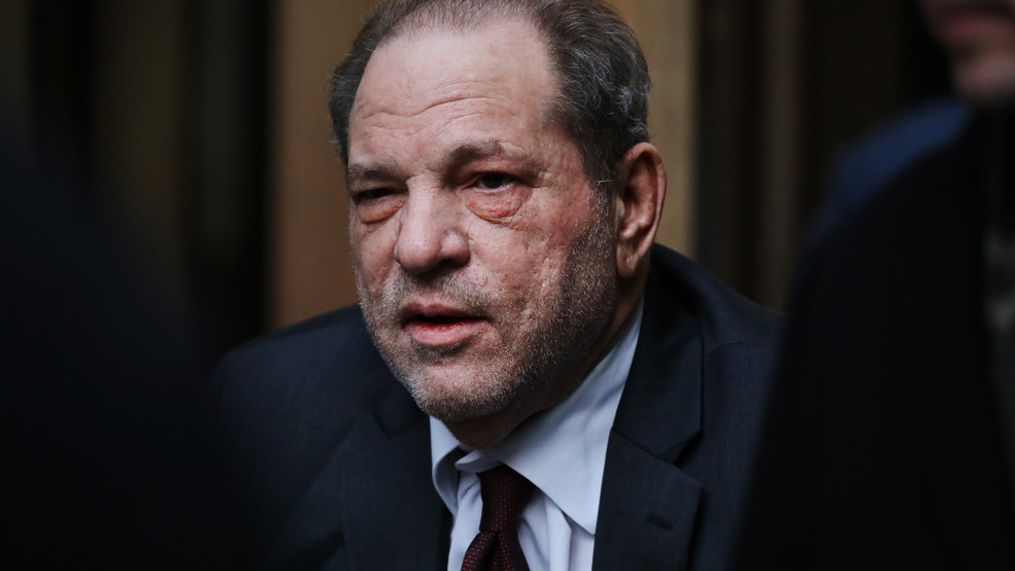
584, 306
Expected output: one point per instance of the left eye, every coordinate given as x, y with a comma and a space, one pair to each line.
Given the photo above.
493, 180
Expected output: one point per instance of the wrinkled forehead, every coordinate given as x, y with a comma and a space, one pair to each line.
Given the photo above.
508, 55
429, 78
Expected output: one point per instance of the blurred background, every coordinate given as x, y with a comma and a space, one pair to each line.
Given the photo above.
199, 130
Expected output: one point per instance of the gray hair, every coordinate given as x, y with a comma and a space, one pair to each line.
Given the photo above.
603, 77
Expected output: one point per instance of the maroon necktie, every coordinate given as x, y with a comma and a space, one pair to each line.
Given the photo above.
496, 548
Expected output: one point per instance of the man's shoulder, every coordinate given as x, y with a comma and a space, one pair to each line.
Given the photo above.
330, 356
285, 401
724, 316
876, 161
320, 337
695, 397
702, 328
930, 211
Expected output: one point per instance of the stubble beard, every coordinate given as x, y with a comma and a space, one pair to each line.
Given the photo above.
576, 322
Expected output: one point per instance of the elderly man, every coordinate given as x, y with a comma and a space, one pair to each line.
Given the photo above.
588, 400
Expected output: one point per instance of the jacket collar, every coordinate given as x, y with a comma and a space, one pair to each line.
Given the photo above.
373, 505
649, 505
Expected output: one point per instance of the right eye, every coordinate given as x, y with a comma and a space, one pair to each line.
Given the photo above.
374, 205
493, 181
372, 194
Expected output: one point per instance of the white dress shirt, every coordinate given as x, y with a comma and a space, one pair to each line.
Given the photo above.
561, 451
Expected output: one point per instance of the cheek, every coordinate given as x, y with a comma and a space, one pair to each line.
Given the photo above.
522, 262
497, 207
372, 249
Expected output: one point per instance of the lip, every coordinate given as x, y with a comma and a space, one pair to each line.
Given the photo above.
439, 324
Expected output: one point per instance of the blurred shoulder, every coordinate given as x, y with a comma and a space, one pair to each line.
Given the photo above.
318, 337
285, 402
329, 358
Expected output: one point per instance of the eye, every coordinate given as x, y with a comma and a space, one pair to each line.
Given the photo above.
493, 180
374, 205
372, 194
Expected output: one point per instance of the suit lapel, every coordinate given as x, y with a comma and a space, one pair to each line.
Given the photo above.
648, 505
373, 506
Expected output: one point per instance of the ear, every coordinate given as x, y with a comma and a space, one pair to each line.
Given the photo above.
639, 205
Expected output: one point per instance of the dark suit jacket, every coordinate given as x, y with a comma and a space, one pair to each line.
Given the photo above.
883, 447
337, 456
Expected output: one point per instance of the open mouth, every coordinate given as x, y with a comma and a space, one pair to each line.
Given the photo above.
437, 324
441, 328
442, 319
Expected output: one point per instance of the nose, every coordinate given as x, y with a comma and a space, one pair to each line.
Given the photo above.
430, 234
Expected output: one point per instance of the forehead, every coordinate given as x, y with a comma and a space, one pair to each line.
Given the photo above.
437, 83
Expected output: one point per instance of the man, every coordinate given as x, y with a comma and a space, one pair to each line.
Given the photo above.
504, 198
890, 444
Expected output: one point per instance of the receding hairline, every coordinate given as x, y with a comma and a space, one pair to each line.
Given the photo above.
438, 16
420, 24
602, 81
547, 98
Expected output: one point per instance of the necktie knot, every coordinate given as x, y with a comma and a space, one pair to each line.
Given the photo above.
496, 548
505, 493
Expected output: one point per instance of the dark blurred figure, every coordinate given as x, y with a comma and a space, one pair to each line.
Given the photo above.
891, 444
107, 464
873, 162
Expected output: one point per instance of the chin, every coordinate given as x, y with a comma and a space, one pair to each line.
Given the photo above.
460, 397
987, 80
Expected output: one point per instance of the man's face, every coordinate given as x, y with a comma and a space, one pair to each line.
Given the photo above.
979, 36
485, 265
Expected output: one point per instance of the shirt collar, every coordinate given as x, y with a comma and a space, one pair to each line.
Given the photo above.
562, 451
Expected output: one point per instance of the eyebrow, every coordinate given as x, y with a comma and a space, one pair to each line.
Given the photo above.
357, 173
450, 162
468, 152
